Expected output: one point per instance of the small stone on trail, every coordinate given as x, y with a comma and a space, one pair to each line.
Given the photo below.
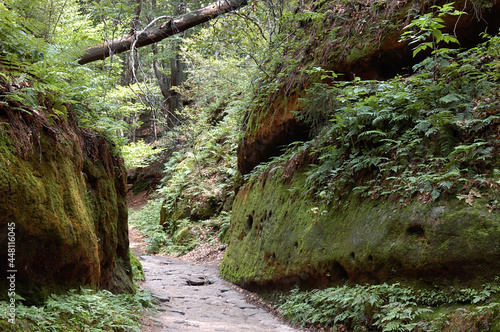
178, 311
198, 283
161, 298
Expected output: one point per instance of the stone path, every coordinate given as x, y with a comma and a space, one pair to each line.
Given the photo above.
195, 298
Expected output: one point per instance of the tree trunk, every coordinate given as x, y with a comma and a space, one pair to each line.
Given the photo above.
176, 66
163, 80
162, 31
131, 67
176, 79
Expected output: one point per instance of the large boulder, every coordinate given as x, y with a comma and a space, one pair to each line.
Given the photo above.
64, 199
279, 237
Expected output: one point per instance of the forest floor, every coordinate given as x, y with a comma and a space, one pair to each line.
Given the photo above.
191, 295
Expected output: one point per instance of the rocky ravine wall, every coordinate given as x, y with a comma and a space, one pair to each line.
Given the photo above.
366, 46
277, 239
64, 191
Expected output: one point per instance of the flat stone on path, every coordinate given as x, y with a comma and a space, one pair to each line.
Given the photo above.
195, 298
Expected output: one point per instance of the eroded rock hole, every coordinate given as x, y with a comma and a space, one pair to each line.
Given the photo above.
352, 256
339, 271
249, 222
415, 230
269, 215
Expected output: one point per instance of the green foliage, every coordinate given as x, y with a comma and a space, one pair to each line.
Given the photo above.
158, 240
216, 66
137, 154
224, 222
39, 43
197, 189
147, 221
420, 137
204, 169
80, 310
186, 235
429, 26
218, 227
386, 307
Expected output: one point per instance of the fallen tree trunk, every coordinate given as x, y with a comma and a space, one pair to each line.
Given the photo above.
162, 31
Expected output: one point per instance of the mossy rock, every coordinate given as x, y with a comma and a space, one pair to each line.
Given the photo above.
183, 236
65, 192
137, 269
192, 208
279, 236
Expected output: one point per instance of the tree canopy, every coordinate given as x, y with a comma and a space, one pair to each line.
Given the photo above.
44, 45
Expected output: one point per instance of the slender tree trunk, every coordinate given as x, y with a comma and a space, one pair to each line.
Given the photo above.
176, 66
135, 21
130, 67
161, 31
163, 80
134, 27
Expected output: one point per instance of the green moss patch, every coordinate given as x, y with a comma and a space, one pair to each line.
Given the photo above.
280, 236
65, 193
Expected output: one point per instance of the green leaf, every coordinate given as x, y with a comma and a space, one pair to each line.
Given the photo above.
451, 97
437, 34
435, 194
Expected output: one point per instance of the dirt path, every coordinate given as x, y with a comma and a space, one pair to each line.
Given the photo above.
194, 297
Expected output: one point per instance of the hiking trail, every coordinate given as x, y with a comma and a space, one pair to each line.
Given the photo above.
193, 297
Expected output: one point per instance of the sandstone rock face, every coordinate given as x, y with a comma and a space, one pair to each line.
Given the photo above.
281, 235
64, 192
367, 46
279, 238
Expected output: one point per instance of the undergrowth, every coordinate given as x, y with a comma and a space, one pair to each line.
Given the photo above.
80, 310
185, 238
201, 172
424, 137
146, 220
137, 154
196, 194
394, 308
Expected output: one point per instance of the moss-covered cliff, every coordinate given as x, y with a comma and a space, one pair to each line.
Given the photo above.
63, 191
398, 179
279, 237
355, 39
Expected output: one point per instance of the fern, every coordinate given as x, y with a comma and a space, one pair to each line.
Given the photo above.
79, 310
406, 137
382, 307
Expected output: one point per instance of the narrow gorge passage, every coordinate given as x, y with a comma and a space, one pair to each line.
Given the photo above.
195, 298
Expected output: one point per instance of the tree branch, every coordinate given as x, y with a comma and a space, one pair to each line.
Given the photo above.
162, 31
